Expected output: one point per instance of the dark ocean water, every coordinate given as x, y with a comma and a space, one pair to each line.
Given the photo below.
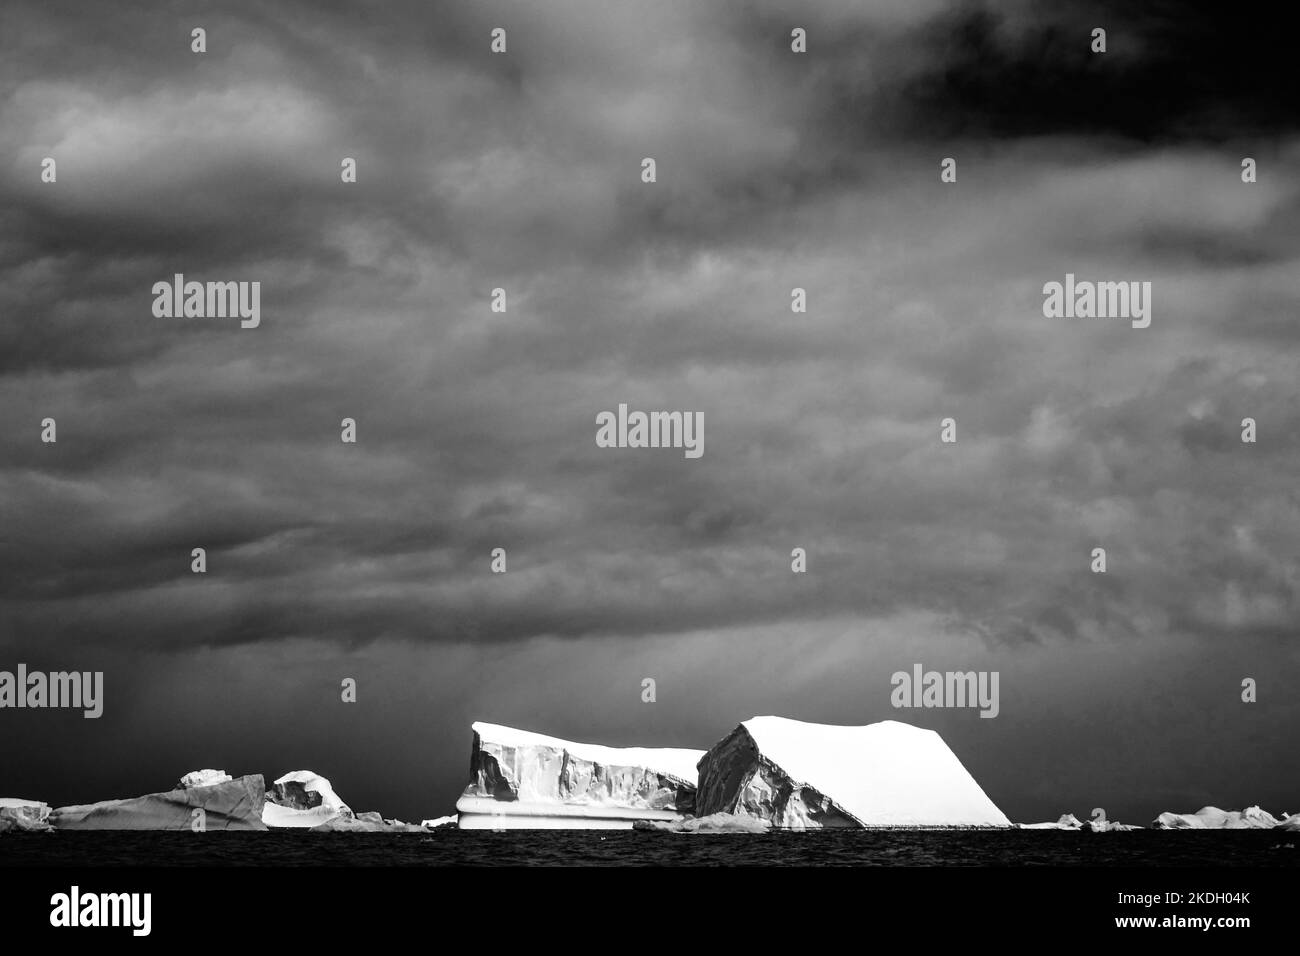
1014, 848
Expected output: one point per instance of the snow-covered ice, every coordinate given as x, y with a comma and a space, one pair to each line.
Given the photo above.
203, 778
1212, 818
19, 814
800, 775
12, 803
525, 780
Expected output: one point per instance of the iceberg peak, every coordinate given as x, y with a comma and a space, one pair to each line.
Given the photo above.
801, 775
203, 778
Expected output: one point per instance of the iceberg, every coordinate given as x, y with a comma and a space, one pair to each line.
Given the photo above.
1212, 818
1067, 821
302, 799
798, 776
203, 778
17, 815
524, 780
233, 805
369, 822
1110, 826
713, 823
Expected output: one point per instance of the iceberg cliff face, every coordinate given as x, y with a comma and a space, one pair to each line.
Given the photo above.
803, 776
520, 779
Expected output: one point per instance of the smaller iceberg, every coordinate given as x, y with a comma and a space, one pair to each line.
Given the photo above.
1212, 818
203, 778
233, 804
302, 799
1067, 821
22, 816
368, 822
713, 823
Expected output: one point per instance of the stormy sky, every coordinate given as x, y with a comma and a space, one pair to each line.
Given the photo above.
475, 429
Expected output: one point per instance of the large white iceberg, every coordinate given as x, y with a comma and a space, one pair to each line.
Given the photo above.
523, 780
800, 776
1212, 818
369, 822
302, 799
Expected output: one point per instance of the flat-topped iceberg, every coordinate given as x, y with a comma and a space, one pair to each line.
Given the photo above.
800, 776
303, 799
232, 805
524, 780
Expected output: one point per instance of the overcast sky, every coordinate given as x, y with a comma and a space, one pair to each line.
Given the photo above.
476, 430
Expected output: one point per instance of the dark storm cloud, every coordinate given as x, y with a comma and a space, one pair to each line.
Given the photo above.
1172, 71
